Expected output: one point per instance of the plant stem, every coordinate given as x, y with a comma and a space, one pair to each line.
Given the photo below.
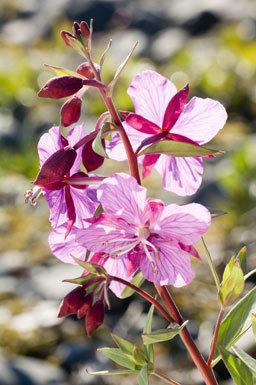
196, 356
144, 294
209, 260
249, 274
215, 336
164, 378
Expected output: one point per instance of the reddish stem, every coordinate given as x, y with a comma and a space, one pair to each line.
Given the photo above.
198, 359
215, 337
86, 139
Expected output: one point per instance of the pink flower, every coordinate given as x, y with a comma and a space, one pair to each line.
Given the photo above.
69, 203
161, 110
144, 233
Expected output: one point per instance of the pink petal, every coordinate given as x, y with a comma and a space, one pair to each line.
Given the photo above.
149, 162
174, 109
143, 125
57, 205
173, 267
120, 195
201, 120
64, 249
182, 176
151, 93
74, 135
153, 211
71, 212
185, 224
49, 143
190, 250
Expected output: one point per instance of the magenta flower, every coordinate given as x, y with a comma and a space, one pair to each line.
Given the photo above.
144, 233
69, 203
161, 110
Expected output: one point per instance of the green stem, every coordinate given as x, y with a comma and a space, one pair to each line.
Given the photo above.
209, 260
215, 337
164, 378
196, 356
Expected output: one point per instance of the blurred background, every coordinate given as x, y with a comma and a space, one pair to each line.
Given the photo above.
210, 44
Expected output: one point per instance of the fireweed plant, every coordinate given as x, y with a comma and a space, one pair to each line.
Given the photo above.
120, 236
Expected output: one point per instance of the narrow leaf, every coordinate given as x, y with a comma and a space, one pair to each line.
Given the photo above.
59, 71
119, 70
104, 54
118, 357
91, 267
175, 148
247, 360
238, 319
111, 372
162, 334
254, 325
143, 376
126, 346
137, 281
147, 329
216, 212
228, 269
98, 145
80, 280
139, 356
241, 256
238, 370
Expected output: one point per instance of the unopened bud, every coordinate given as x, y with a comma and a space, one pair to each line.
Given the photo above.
94, 317
56, 167
70, 111
61, 87
90, 158
84, 308
85, 30
67, 37
72, 302
85, 70
76, 28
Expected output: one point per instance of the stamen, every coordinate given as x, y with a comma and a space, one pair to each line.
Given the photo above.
127, 248
144, 242
155, 248
33, 195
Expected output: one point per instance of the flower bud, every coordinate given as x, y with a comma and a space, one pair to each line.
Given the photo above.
61, 87
85, 30
76, 28
84, 308
56, 167
94, 317
90, 158
70, 111
84, 69
72, 302
67, 37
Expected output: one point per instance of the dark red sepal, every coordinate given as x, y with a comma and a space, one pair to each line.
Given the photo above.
72, 302
90, 158
84, 69
61, 87
94, 317
56, 167
71, 211
67, 37
175, 108
84, 308
70, 111
85, 30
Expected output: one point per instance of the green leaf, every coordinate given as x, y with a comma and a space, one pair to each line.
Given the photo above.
238, 319
92, 267
118, 357
254, 325
247, 360
137, 281
175, 148
238, 370
80, 280
126, 346
102, 59
59, 71
97, 144
143, 376
163, 334
232, 284
241, 256
216, 212
111, 372
112, 84
147, 329
139, 356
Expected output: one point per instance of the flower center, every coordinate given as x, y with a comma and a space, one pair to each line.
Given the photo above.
144, 232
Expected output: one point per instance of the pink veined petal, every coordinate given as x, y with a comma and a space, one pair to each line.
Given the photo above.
151, 93
143, 125
85, 207
74, 135
174, 109
153, 211
49, 143
149, 162
201, 120
181, 176
185, 224
57, 205
173, 267
64, 249
122, 196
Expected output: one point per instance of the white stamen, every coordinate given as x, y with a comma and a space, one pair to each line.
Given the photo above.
149, 255
33, 195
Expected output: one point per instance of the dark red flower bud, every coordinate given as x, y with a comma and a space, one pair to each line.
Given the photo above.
94, 317
70, 111
61, 87
76, 28
85, 30
72, 302
84, 308
56, 167
67, 37
90, 158
84, 69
